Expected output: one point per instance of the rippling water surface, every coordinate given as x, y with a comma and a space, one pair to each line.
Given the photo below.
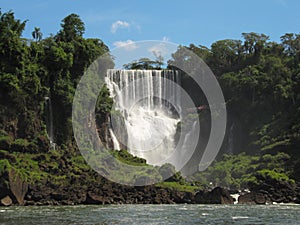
152, 214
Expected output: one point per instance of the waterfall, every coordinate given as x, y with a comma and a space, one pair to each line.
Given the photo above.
49, 121
114, 140
149, 103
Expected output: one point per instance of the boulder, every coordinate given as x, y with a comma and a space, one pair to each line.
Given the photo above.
6, 201
17, 186
216, 196
93, 198
252, 198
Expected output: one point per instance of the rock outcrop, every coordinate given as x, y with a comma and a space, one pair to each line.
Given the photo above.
18, 187
252, 198
216, 196
279, 191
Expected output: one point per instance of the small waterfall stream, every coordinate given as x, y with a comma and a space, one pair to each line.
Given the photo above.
49, 121
114, 140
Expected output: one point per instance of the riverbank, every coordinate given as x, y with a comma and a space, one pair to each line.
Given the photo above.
48, 194
57, 178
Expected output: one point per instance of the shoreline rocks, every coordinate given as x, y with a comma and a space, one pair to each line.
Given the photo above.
45, 194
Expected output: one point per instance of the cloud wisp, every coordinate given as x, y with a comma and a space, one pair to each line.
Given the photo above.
118, 25
128, 45
160, 50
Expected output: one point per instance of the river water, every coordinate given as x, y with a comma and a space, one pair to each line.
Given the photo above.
152, 214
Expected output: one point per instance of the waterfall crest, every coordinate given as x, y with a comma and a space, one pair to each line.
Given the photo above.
149, 102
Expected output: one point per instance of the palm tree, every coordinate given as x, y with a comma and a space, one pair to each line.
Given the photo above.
37, 34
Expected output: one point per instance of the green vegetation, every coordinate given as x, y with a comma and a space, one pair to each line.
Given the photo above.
30, 71
178, 187
260, 80
125, 157
241, 171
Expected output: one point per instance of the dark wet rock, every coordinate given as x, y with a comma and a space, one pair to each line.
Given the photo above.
4, 190
182, 197
297, 200
216, 196
30, 202
252, 198
106, 192
278, 191
93, 198
59, 196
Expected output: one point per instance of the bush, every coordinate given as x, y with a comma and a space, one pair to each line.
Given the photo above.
19, 145
266, 174
241, 171
125, 157
4, 165
5, 142
24, 146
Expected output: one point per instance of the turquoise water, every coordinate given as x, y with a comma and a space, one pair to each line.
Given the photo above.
152, 214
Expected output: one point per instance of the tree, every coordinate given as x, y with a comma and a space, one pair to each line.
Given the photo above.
226, 56
9, 26
72, 28
12, 48
144, 64
254, 42
202, 51
37, 34
291, 44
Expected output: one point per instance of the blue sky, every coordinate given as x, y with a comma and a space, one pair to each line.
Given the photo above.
181, 22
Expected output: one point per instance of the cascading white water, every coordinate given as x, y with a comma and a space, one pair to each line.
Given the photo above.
114, 140
49, 121
148, 101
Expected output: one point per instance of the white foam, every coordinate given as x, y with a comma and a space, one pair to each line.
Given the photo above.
239, 217
236, 197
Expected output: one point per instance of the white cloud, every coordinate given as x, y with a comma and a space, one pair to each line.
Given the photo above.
128, 45
119, 24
